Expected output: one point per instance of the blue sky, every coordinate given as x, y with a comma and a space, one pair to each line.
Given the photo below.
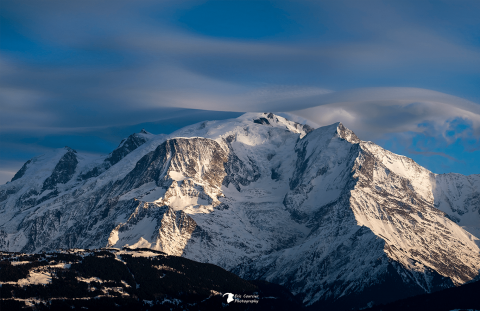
404, 74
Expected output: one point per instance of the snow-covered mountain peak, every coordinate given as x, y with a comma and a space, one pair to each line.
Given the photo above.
347, 134
135, 140
126, 146
333, 130
278, 121
316, 210
70, 149
39, 167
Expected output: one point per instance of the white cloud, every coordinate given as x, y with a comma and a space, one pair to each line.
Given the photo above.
374, 112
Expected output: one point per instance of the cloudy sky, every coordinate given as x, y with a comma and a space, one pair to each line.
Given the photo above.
404, 74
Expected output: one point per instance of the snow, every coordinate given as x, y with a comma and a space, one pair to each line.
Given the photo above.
145, 254
113, 238
459, 197
177, 176
37, 275
90, 280
308, 210
134, 237
34, 278
16, 263
142, 243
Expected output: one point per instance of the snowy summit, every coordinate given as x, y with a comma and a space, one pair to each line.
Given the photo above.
339, 221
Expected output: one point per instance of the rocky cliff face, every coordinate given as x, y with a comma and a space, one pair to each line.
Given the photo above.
126, 146
339, 221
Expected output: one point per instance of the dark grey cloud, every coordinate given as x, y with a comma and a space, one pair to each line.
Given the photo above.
78, 66
126, 64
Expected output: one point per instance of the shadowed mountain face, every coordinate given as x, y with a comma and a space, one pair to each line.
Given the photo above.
464, 297
63, 171
340, 222
126, 146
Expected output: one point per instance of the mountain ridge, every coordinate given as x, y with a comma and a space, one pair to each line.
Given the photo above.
319, 211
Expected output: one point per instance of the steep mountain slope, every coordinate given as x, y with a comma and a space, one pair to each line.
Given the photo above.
367, 224
339, 221
459, 197
126, 146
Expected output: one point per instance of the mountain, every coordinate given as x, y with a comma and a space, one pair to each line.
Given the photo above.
126, 146
459, 197
127, 279
339, 221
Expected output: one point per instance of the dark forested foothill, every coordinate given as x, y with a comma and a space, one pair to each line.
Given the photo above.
177, 276
465, 297
14, 273
110, 279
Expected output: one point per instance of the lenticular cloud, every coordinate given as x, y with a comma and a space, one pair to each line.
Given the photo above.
377, 111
